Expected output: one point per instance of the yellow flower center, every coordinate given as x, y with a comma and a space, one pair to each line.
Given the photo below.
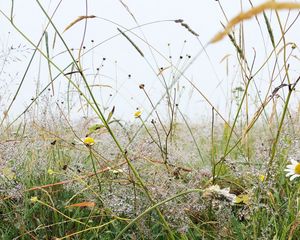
297, 168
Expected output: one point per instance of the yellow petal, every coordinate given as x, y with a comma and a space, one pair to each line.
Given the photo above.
137, 114
33, 199
242, 198
88, 141
262, 178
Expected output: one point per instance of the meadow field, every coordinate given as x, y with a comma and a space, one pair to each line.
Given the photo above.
191, 139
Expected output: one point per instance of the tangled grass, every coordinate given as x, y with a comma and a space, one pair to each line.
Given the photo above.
157, 175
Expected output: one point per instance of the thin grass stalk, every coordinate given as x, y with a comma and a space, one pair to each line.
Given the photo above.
236, 116
94, 168
192, 135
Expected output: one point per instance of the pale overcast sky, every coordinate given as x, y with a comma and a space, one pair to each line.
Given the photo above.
167, 38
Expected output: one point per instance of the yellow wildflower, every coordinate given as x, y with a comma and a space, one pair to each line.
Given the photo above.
138, 113
88, 141
262, 178
33, 199
242, 199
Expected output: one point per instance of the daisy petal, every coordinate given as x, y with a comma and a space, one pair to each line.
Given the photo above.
290, 166
294, 176
294, 162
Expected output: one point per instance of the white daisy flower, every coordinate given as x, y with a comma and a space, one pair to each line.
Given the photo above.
293, 170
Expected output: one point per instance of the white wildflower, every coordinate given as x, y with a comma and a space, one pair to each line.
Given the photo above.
293, 170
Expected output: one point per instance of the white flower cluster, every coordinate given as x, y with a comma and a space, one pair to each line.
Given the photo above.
215, 191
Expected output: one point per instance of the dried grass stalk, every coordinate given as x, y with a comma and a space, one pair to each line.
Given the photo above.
82, 205
253, 12
132, 43
78, 20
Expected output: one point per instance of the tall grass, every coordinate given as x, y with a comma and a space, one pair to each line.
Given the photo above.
161, 176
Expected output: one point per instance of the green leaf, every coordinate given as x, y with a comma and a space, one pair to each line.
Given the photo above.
94, 128
110, 114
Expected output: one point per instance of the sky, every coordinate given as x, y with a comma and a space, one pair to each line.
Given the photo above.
113, 66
